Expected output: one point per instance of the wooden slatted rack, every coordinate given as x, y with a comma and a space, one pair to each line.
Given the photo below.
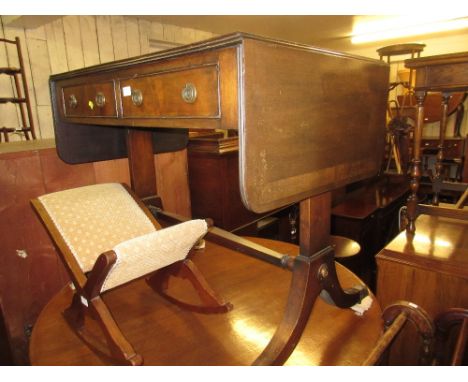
21, 99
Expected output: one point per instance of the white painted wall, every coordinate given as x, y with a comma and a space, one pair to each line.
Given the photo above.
74, 42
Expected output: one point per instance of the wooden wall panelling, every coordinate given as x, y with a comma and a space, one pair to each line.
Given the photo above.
144, 28
133, 36
89, 40
157, 32
37, 33
184, 35
112, 171
30, 272
104, 34
169, 33
40, 72
59, 175
56, 46
119, 37
71, 28
58, 64
44, 115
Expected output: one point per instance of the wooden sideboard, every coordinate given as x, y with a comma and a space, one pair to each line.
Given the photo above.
213, 167
369, 215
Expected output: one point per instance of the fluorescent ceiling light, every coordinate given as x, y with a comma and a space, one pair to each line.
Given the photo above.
406, 26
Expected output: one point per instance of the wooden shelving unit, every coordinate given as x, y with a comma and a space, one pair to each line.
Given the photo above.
21, 98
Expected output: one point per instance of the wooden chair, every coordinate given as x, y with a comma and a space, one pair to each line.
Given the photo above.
395, 317
450, 344
106, 238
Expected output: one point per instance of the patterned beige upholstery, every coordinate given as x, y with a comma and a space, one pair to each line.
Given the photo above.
94, 219
145, 254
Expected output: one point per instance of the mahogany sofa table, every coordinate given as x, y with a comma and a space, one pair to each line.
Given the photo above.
166, 335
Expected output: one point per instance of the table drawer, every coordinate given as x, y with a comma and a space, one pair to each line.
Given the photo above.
453, 148
90, 100
181, 93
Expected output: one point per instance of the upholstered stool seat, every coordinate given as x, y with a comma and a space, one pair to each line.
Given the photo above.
106, 237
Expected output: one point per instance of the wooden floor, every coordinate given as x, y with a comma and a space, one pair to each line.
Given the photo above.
167, 335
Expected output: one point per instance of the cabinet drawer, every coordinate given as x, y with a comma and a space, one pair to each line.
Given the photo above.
90, 100
185, 93
453, 148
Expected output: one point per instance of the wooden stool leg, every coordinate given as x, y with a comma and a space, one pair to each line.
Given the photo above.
115, 346
212, 303
88, 305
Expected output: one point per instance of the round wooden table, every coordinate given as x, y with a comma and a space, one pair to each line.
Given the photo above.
167, 335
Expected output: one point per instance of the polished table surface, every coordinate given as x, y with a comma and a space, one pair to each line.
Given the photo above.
440, 244
166, 335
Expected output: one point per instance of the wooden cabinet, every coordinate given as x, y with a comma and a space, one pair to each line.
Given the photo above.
213, 165
453, 158
453, 147
431, 271
369, 215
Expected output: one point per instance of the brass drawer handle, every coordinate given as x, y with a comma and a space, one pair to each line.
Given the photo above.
72, 101
189, 93
137, 97
100, 99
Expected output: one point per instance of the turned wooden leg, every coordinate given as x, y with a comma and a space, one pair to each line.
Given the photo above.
440, 153
415, 173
